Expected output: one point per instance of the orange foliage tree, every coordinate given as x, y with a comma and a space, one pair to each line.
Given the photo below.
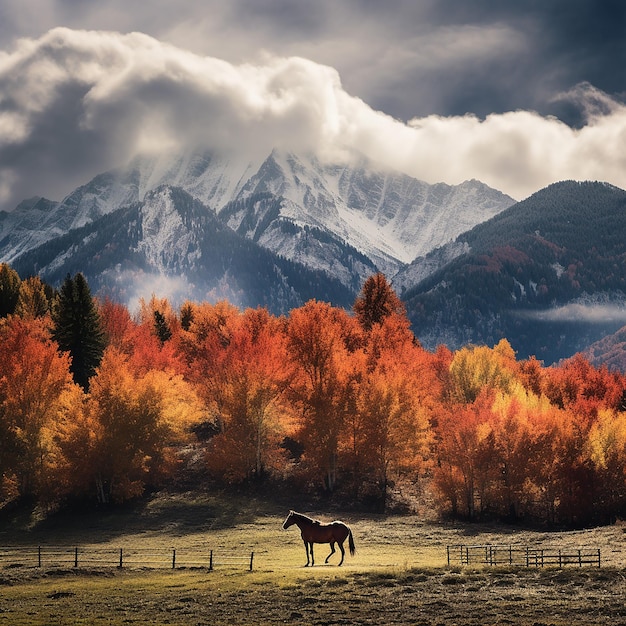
252, 379
34, 377
387, 429
321, 341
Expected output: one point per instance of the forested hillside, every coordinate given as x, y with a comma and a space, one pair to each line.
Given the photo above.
564, 245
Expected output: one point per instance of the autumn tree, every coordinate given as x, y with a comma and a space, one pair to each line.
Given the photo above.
202, 349
117, 325
524, 435
465, 468
237, 362
33, 301
320, 341
475, 368
387, 428
376, 301
33, 379
606, 447
253, 379
9, 289
77, 328
129, 433
579, 386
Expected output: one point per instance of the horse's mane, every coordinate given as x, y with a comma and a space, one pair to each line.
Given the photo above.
306, 517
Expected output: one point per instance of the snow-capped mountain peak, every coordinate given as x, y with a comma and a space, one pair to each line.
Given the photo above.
348, 220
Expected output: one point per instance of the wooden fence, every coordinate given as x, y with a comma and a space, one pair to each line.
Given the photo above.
522, 555
74, 556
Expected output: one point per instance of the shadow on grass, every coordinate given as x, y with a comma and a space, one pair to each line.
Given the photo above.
171, 513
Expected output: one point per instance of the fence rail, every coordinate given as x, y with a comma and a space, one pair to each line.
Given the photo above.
522, 555
75, 556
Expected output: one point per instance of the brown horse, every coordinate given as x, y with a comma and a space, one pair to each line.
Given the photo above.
313, 531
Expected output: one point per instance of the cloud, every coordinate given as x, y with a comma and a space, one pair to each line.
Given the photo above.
588, 313
74, 103
404, 57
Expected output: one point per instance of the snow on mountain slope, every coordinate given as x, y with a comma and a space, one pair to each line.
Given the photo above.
388, 217
28, 227
213, 180
166, 238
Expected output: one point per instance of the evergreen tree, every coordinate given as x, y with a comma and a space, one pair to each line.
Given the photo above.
186, 315
78, 329
161, 327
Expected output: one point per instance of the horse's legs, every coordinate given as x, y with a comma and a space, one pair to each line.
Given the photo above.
312, 559
306, 547
332, 551
343, 552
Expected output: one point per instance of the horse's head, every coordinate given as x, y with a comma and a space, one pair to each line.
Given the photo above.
291, 519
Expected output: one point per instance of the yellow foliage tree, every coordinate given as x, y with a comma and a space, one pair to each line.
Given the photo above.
476, 368
130, 434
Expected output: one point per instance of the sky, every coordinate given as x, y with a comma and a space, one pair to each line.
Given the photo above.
515, 94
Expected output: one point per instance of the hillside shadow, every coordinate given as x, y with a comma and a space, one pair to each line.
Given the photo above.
171, 513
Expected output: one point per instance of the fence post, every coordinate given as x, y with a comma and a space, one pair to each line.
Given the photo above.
580, 559
173, 558
38, 556
121, 558
598, 557
211, 561
76, 557
448, 553
251, 559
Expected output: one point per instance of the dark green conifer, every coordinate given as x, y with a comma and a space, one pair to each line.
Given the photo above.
78, 329
161, 327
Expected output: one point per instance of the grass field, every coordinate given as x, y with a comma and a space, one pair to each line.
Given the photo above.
398, 576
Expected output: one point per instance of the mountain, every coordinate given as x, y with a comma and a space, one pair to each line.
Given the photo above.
610, 351
348, 221
547, 273
172, 240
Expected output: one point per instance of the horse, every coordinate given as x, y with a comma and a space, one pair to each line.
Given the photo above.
313, 531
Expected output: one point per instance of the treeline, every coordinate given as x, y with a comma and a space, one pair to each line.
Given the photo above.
97, 403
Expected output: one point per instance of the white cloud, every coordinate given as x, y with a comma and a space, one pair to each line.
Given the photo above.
73, 103
588, 313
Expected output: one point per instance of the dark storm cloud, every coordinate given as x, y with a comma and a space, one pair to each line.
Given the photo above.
444, 90
405, 57
553, 45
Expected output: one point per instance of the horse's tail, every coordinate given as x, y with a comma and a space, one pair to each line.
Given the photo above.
351, 542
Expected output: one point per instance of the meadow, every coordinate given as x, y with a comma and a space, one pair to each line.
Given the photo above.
399, 575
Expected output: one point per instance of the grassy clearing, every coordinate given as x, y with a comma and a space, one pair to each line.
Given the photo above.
319, 596
398, 576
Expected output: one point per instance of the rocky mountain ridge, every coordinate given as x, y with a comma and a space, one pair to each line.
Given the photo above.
388, 217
